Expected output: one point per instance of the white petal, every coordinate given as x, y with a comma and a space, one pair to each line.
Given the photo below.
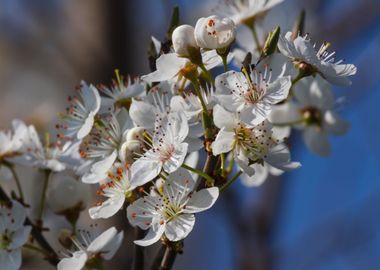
142, 113
178, 228
261, 174
334, 124
20, 237
10, 260
111, 248
202, 200
99, 169
154, 234
224, 119
278, 90
141, 212
316, 140
279, 157
168, 65
102, 240
177, 158
76, 262
108, 208
223, 142
177, 181
144, 170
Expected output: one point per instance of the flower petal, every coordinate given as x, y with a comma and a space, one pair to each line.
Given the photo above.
178, 228
76, 262
154, 234
108, 208
202, 200
98, 244
223, 142
144, 170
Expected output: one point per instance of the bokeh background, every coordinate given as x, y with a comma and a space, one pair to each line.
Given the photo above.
322, 216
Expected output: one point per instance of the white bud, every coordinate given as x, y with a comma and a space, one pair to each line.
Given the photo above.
66, 192
183, 39
214, 32
133, 144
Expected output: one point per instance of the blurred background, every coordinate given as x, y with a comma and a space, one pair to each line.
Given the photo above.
322, 216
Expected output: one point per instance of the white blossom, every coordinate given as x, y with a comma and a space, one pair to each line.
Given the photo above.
66, 192
249, 144
12, 141
214, 32
167, 150
313, 112
102, 145
104, 246
13, 234
80, 115
171, 212
121, 92
245, 11
116, 190
51, 156
171, 67
183, 39
251, 96
304, 54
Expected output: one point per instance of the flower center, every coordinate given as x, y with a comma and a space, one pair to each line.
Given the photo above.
312, 116
255, 142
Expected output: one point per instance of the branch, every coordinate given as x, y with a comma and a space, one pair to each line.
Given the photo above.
52, 256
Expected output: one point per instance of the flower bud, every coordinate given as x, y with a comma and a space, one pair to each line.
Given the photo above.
214, 32
183, 40
66, 192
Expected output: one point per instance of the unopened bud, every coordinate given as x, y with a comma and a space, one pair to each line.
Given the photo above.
183, 40
270, 45
214, 32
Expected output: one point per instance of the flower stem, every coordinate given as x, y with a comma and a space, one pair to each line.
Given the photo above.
43, 198
222, 160
157, 260
168, 259
32, 247
225, 66
199, 94
200, 173
226, 185
51, 256
207, 74
17, 180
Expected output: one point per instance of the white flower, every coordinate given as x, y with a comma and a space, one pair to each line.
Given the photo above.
79, 116
171, 67
245, 11
167, 152
183, 39
52, 156
121, 92
13, 235
263, 170
102, 145
172, 211
160, 102
314, 113
249, 144
214, 32
13, 140
66, 192
252, 96
144, 111
104, 246
304, 54
117, 189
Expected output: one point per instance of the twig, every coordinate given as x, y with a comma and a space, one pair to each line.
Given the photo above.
168, 259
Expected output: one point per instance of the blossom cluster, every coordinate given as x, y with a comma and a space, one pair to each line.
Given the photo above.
140, 139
